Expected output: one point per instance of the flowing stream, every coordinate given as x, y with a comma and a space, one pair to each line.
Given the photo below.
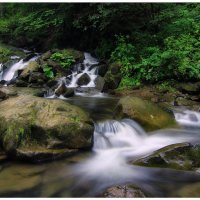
116, 145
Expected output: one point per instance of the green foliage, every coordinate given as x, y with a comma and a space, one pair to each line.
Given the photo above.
48, 72
63, 58
4, 54
165, 87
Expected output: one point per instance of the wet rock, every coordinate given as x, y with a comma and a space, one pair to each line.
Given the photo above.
99, 83
3, 95
146, 113
63, 90
189, 88
29, 56
173, 156
21, 83
52, 83
123, 191
28, 122
39, 154
32, 67
83, 80
37, 77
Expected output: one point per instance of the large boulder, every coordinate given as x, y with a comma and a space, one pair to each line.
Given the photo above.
176, 156
112, 77
146, 113
63, 90
99, 83
84, 79
28, 124
33, 66
189, 88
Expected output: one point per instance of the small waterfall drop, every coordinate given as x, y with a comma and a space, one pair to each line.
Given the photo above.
188, 118
11, 72
85, 68
89, 69
118, 142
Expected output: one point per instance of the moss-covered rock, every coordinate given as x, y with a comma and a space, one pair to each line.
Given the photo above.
28, 123
190, 88
146, 113
112, 77
33, 66
182, 156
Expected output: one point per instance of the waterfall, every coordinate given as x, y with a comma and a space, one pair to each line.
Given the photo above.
88, 62
188, 118
11, 72
88, 68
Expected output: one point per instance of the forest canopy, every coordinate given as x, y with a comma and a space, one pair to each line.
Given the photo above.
153, 41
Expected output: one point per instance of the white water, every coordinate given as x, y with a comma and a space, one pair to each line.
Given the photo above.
118, 142
11, 72
188, 118
78, 72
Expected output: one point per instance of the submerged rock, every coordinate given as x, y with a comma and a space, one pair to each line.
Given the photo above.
146, 113
21, 180
27, 123
123, 191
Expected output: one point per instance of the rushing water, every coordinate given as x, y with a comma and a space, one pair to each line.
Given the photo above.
116, 143
11, 72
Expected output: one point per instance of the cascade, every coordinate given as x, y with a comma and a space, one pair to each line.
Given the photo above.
188, 118
11, 72
88, 68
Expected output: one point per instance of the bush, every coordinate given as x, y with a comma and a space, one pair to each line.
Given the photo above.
63, 58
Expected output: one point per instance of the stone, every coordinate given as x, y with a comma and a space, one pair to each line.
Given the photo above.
27, 123
6, 92
123, 191
83, 80
172, 156
189, 88
147, 114
99, 83
112, 77
33, 66
21, 83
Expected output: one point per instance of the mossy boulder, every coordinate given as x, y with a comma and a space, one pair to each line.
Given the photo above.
147, 114
28, 123
189, 88
112, 77
33, 66
176, 156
